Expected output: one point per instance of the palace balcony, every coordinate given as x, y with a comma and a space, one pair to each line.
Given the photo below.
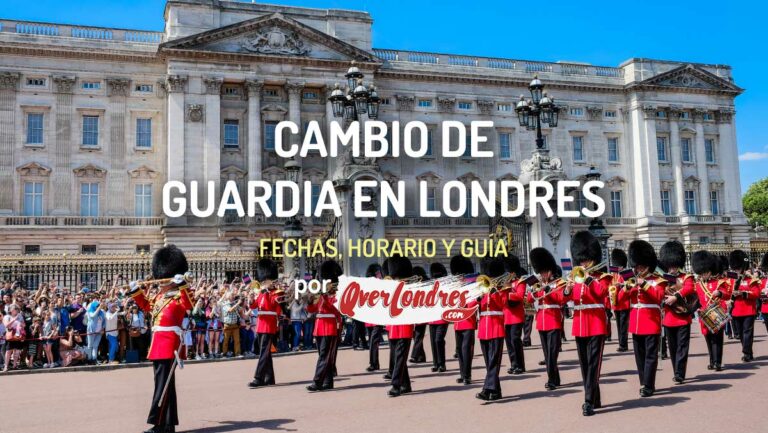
77, 221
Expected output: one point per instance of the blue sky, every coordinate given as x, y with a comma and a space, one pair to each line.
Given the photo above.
602, 33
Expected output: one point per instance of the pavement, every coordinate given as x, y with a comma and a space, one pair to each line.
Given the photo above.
214, 398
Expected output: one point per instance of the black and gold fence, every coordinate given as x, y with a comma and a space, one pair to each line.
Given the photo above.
91, 270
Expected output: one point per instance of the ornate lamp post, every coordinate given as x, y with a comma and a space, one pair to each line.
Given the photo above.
539, 109
354, 101
596, 226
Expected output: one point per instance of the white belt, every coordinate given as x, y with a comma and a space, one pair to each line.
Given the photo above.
587, 306
656, 306
325, 316
267, 313
548, 306
175, 329
491, 313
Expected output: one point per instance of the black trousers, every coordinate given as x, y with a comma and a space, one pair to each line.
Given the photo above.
493, 351
678, 340
358, 334
646, 358
590, 351
608, 316
663, 343
744, 327
418, 354
527, 329
465, 347
715, 347
377, 336
265, 371
550, 343
163, 413
513, 338
437, 343
622, 327
400, 376
326, 360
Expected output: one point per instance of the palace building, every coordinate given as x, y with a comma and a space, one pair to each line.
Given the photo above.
94, 121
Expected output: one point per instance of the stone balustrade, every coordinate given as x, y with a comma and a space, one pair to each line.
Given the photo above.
75, 221
80, 32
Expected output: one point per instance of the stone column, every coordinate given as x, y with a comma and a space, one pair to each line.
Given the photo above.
212, 139
61, 178
9, 84
294, 105
677, 165
255, 146
117, 181
175, 85
701, 163
645, 162
729, 164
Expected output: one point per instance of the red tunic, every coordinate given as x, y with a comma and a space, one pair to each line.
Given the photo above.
514, 310
468, 324
589, 317
764, 292
671, 318
268, 312
712, 285
549, 314
491, 316
622, 296
168, 311
746, 307
327, 319
645, 315
400, 331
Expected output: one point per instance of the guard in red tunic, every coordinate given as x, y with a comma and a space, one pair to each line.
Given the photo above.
439, 328
491, 330
764, 289
465, 329
399, 268
168, 309
327, 321
710, 289
268, 313
620, 304
645, 298
514, 318
548, 298
677, 316
589, 325
376, 331
744, 294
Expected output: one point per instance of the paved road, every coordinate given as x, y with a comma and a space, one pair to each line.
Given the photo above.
213, 398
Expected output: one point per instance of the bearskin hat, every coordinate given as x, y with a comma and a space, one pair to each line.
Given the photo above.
492, 267
266, 269
330, 270
420, 272
703, 261
542, 260
618, 258
672, 255
585, 248
437, 270
168, 262
764, 263
723, 264
738, 260
373, 270
461, 265
512, 265
641, 253
399, 267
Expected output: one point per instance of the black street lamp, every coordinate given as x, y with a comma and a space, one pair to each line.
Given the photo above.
539, 109
596, 226
356, 99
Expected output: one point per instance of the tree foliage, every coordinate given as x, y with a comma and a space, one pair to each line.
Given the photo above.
755, 203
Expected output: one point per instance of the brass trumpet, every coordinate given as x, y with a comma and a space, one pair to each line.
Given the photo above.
579, 274
188, 277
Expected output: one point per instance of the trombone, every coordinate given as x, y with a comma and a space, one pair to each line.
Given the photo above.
188, 278
499, 283
580, 274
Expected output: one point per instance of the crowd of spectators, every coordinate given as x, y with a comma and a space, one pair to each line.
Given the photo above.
54, 326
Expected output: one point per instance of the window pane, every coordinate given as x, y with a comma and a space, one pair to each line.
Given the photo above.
578, 148
231, 133
90, 130
505, 151
143, 132
269, 135
429, 142
613, 149
661, 148
35, 128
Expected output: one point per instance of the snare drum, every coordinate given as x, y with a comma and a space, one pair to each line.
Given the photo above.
714, 317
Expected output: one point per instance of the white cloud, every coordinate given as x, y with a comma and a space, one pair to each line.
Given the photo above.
753, 156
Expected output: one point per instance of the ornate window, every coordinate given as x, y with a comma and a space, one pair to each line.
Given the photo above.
709, 150
578, 148
714, 202
613, 149
686, 149
89, 199
33, 181
33, 199
144, 133
36, 82
576, 112
425, 103
465, 105
616, 204
661, 149
90, 130
143, 200
690, 202
269, 135
505, 145
35, 128
144, 88
90, 85
609, 114
504, 107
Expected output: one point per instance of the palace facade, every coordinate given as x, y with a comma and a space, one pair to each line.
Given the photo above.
93, 122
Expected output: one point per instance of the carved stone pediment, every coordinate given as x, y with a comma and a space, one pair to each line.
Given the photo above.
595, 112
269, 35
616, 182
142, 172
691, 182
118, 86
273, 174
446, 105
404, 102
485, 106
33, 169
507, 177
313, 175
467, 178
232, 172
693, 78
9, 80
274, 108
430, 177
90, 171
